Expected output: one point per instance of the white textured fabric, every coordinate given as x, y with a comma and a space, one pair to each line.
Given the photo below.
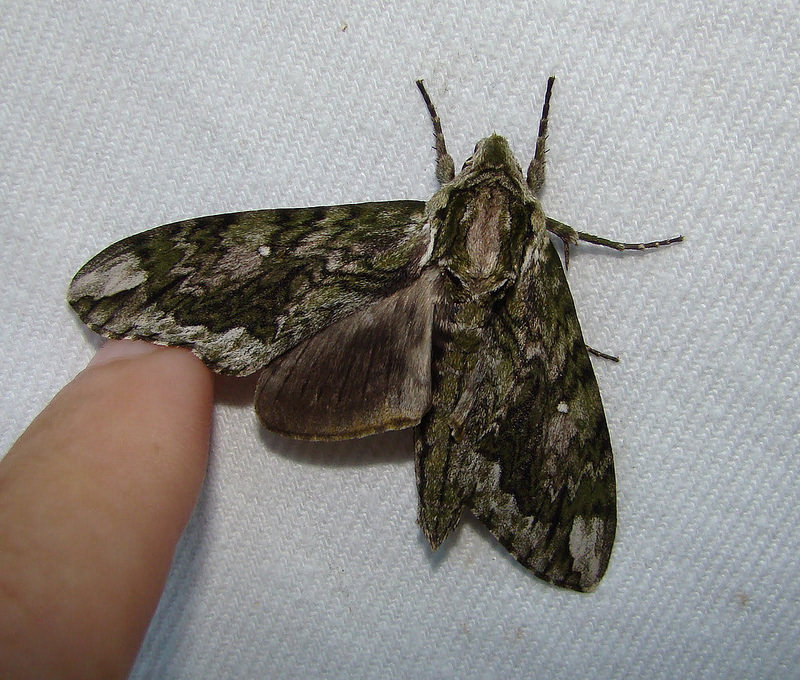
305, 560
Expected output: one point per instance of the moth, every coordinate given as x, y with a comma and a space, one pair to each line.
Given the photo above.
451, 316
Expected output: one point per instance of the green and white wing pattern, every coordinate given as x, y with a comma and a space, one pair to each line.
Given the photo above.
241, 289
517, 432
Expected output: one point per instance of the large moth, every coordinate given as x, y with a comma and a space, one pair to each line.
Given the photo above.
452, 316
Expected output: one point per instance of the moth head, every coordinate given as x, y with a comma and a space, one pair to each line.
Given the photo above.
493, 153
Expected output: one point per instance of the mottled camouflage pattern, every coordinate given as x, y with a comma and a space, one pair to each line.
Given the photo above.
241, 289
516, 431
452, 316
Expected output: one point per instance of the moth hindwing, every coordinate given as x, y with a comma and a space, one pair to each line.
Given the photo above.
451, 316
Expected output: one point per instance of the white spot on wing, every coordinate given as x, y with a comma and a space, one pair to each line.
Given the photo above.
264, 251
563, 407
120, 274
584, 542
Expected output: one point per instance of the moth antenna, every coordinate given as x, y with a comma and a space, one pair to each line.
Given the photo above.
536, 171
445, 168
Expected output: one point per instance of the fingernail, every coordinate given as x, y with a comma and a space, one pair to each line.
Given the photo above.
121, 349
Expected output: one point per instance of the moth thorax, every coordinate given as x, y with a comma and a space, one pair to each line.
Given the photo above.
488, 223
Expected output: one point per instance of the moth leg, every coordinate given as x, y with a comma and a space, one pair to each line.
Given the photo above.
445, 168
566, 233
618, 245
569, 235
600, 354
536, 168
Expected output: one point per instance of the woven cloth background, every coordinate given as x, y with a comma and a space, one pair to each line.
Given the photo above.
304, 560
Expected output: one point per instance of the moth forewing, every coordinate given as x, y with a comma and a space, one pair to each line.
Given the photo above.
516, 431
453, 316
241, 289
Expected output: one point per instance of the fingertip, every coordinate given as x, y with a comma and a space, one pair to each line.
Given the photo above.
143, 375
96, 494
153, 401
121, 349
